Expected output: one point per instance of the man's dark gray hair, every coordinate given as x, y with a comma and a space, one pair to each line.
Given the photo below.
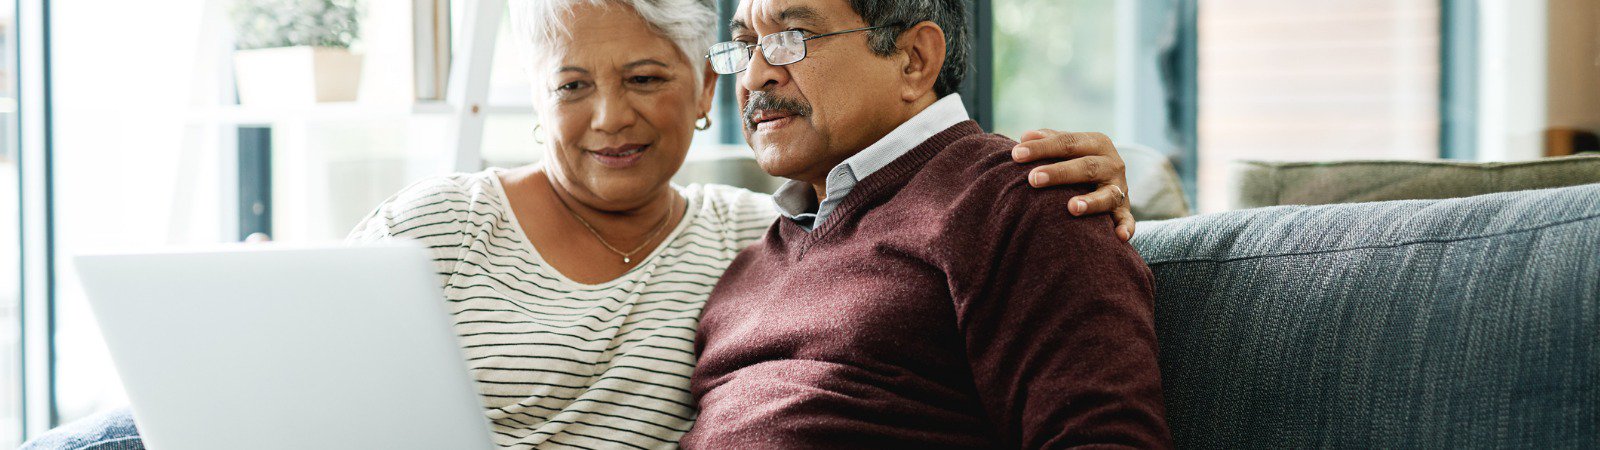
899, 15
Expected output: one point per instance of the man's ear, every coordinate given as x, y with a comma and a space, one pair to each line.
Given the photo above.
708, 91
923, 46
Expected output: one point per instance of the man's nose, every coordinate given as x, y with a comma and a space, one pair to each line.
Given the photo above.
761, 76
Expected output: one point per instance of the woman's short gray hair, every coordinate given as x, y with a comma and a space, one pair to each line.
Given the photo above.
690, 24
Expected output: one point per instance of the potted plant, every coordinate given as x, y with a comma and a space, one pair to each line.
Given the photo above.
296, 52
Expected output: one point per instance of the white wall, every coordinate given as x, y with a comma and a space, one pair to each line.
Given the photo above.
1314, 81
1574, 64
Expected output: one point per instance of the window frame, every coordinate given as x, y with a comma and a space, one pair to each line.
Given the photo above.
36, 216
1458, 79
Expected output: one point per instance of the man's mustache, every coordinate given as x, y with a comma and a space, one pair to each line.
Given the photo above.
762, 100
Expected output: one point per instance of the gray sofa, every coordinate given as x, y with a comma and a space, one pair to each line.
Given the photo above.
1470, 322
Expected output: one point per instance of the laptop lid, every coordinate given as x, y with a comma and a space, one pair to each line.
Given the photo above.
275, 346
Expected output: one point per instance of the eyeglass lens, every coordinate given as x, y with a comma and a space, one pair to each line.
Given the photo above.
782, 48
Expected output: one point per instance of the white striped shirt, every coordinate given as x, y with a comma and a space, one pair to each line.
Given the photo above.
559, 363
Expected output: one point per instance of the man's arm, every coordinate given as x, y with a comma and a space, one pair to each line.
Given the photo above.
1060, 329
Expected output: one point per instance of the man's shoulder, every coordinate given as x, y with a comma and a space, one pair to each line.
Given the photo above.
979, 170
973, 195
981, 155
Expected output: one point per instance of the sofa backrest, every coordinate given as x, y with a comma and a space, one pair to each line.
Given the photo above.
1263, 183
1471, 322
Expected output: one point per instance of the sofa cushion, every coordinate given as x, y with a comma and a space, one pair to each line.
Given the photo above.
1154, 190
1440, 323
1261, 183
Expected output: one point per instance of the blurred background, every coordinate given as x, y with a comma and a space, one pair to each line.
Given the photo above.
126, 124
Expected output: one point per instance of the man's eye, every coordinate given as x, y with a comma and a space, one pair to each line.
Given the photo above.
573, 86
802, 31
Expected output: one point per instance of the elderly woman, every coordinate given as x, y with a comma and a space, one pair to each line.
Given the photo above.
576, 284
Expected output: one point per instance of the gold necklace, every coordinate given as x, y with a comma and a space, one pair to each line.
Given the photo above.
627, 258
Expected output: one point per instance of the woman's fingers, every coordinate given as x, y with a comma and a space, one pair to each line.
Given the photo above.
1125, 223
1106, 199
1037, 134
1051, 144
1088, 158
1088, 169
1109, 198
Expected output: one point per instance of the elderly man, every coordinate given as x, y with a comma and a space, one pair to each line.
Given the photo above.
917, 293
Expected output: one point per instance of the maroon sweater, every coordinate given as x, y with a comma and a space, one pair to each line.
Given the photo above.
944, 304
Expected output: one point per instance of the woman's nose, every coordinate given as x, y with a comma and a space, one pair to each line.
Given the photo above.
613, 113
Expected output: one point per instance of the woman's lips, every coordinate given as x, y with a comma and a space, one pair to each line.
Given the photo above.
619, 158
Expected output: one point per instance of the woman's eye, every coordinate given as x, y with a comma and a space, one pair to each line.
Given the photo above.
645, 79
573, 86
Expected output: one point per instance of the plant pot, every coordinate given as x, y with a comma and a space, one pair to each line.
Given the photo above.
296, 76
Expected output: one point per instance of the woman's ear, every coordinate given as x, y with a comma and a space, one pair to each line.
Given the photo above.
923, 46
708, 91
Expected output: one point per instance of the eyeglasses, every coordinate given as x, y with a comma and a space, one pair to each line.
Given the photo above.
781, 49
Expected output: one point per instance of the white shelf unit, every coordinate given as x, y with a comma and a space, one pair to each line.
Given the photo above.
330, 161
466, 93
342, 111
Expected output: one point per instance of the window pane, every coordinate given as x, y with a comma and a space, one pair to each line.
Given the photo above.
1315, 81
1055, 65
1097, 66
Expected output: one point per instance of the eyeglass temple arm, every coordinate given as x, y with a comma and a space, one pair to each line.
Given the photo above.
823, 35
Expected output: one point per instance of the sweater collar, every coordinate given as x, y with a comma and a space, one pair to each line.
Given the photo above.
796, 200
885, 181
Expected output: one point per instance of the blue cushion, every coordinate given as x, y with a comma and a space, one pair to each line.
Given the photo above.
1470, 322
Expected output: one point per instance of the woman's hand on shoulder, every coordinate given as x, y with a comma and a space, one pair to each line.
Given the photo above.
1084, 158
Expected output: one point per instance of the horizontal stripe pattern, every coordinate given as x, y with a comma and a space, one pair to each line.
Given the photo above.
560, 364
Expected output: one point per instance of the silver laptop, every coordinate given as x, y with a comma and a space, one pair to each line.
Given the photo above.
273, 346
